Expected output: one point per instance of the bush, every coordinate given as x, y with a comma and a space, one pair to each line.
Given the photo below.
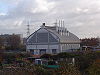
66, 69
46, 56
94, 69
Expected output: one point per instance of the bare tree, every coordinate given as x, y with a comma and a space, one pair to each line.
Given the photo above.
1, 43
14, 41
90, 42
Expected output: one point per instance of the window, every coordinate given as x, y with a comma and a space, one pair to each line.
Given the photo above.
52, 39
32, 51
42, 37
54, 51
32, 39
42, 51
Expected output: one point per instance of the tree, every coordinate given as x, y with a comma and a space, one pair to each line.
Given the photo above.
94, 69
65, 55
46, 56
90, 42
14, 42
1, 43
66, 69
84, 60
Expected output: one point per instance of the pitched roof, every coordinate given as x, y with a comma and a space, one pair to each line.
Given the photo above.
64, 38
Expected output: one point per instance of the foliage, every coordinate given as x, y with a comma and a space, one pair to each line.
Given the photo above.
1, 43
14, 41
12, 57
94, 69
1, 56
9, 57
26, 70
22, 55
46, 56
90, 42
59, 55
84, 60
67, 69
41, 71
51, 63
65, 55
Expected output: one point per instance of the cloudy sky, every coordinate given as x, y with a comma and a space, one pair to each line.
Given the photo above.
82, 17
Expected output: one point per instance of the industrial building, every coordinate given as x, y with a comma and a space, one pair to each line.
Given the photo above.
52, 40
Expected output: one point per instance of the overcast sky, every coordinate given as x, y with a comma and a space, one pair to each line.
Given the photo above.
82, 17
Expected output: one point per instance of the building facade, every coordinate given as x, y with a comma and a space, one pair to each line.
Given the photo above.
52, 40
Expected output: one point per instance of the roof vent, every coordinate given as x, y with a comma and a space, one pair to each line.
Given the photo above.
43, 24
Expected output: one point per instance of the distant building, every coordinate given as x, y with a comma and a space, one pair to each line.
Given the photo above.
52, 40
4, 38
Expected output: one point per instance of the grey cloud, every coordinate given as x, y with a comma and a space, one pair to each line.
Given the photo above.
81, 16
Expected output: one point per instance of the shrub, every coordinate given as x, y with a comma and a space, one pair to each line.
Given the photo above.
66, 69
